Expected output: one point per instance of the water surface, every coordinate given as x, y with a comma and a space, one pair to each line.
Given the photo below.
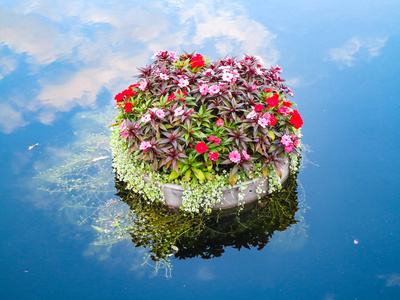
61, 63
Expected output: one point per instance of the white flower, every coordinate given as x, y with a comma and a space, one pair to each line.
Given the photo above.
251, 115
160, 113
183, 82
227, 76
262, 122
164, 76
146, 118
260, 60
178, 112
142, 85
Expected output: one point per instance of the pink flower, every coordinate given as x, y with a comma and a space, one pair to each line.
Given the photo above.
142, 85
137, 126
160, 113
245, 155
122, 126
270, 119
213, 156
286, 140
146, 118
159, 53
214, 89
219, 122
251, 115
203, 89
178, 112
173, 55
262, 122
164, 76
284, 110
127, 129
234, 156
144, 145
183, 82
214, 139
254, 87
289, 148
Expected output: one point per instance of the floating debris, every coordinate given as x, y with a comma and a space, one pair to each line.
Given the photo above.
33, 146
99, 158
98, 229
355, 242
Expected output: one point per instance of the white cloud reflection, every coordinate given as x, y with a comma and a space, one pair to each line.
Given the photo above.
205, 274
103, 44
391, 279
353, 49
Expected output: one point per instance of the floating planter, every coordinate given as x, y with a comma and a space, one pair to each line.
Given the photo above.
203, 135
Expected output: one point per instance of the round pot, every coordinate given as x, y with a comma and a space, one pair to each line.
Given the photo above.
173, 192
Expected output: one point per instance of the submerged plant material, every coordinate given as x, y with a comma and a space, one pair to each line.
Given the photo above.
197, 123
167, 232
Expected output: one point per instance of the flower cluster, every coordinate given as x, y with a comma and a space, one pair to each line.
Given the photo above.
193, 119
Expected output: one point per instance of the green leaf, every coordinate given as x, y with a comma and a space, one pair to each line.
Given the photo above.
209, 176
265, 171
173, 175
199, 174
272, 135
188, 174
184, 169
233, 178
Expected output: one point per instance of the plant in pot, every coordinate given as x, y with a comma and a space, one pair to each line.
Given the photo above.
205, 128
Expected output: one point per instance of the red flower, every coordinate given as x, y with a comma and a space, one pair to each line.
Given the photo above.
201, 147
214, 139
272, 120
171, 97
258, 107
128, 93
296, 119
213, 156
287, 103
273, 101
128, 107
119, 97
220, 122
197, 61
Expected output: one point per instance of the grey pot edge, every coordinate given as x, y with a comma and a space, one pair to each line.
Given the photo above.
173, 192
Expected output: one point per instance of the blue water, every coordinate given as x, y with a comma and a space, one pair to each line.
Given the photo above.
62, 59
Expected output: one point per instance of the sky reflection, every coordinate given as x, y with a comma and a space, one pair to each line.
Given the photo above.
78, 49
58, 58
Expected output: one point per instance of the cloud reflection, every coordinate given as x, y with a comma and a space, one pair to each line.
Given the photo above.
352, 50
391, 279
101, 45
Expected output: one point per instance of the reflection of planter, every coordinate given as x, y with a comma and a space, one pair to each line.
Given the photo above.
167, 232
173, 193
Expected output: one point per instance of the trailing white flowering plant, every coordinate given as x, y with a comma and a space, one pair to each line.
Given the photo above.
194, 121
